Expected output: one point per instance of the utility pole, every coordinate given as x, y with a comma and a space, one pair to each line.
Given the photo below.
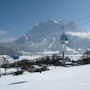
64, 40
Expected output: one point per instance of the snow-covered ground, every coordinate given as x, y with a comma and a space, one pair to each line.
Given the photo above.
30, 57
58, 78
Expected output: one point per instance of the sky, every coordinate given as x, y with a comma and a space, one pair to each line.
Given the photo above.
19, 16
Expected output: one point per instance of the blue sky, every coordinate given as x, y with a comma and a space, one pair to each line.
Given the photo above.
18, 16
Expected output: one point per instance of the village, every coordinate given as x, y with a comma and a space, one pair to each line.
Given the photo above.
41, 64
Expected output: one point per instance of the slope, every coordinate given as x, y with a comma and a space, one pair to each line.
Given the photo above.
58, 78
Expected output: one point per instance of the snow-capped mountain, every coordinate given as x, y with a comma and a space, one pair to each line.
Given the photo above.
45, 36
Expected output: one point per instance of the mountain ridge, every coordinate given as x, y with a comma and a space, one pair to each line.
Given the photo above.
45, 36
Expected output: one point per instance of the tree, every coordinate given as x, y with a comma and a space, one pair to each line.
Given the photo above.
5, 64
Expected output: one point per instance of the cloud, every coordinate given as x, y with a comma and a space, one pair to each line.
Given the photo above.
80, 34
3, 32
8, 40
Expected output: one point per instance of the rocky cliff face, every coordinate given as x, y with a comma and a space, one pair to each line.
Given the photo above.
45, 36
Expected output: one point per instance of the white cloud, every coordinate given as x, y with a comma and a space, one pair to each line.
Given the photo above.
3, 32
8, 40
80, 34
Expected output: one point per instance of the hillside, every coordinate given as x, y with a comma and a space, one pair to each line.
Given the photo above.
7, 51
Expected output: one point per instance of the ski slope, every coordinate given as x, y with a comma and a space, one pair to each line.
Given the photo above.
58, 78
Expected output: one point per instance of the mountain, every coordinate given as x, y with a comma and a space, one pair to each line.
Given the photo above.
45, 36
7, 51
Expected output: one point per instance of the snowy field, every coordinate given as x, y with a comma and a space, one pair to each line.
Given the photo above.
58, 78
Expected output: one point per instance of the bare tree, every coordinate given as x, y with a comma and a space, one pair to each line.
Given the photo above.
6, 64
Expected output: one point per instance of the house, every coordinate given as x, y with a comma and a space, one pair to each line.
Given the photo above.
66, 61
35, 68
